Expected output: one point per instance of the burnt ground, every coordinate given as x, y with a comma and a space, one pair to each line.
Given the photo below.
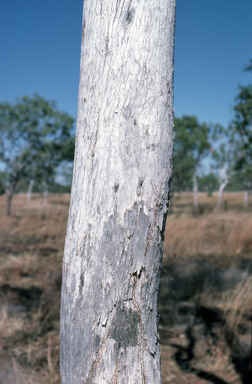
205, 322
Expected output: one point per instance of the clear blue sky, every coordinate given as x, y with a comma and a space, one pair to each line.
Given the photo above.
40, 53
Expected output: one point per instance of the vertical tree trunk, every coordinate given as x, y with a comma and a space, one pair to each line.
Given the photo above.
246, 195
120, 194
195, 192
45, 192
9, 196
29, 190
220, 193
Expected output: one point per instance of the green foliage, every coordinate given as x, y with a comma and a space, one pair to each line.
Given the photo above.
241, 133
34, 139
208, 183
223, 158
59, 188
248, 67
190, 146
2, 191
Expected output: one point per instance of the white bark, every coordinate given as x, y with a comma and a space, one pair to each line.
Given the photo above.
246, 196
220, 193
120, 193
195, 192
29, 191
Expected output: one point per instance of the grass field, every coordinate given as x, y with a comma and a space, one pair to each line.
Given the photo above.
205, 297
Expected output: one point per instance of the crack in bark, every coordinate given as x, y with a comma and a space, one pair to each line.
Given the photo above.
91, 151
145, 347
98, 361
130, 13
115, 376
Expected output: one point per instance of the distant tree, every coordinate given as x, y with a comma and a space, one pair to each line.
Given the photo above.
29, 190
241, 135
248, 67
208, 183
223, 161
65, 174
224, 180
190, 146
2, 191
34, 138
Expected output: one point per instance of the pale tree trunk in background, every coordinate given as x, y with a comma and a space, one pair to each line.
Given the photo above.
246, 196
195, 192
220, 193
45, 192
29, 191
120, 193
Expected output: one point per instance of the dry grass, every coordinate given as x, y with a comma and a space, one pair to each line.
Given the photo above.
208, 232
217, 233
200, 247
237, 304
31, 248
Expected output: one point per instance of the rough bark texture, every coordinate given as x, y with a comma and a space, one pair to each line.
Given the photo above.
120, 194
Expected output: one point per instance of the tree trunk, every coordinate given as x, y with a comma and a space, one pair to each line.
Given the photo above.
120, 194
246, 195
9, 196
45, 192
29, 191
220, 193
195, 192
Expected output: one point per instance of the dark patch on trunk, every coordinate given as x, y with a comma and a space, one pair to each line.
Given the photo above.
124, 327
120, 252
130, 15
81, 285
140, 181
116, 187
97, 342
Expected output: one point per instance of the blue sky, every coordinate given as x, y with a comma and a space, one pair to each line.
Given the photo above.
40, 53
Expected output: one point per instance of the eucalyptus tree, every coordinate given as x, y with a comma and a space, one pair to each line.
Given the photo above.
190, 147
241, 136
120, 194
222, 156
34, 137
29, 190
